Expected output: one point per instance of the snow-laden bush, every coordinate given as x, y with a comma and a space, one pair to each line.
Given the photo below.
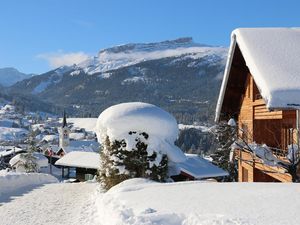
137, 141
119, 163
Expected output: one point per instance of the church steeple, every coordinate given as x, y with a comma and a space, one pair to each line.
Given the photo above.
64, 123
64, 133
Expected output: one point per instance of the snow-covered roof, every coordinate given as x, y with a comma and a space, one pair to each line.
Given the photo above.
272, 56
54, 148
89, 160
200, 168
50, 137
8, 150
16, 159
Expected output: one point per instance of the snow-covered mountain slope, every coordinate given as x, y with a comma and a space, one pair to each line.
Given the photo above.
9, 76
180, 76
130, 54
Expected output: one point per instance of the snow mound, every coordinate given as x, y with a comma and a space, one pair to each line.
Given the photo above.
118, 120
137, 202
137, 116
130, 185
11, 182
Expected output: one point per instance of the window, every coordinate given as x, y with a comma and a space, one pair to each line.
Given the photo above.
256, 93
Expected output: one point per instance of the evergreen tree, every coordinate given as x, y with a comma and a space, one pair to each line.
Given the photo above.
31, 140
30, 163
3, 165
118, 163
225, 137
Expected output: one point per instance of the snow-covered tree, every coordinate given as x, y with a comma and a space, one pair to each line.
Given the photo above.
31, 140
138, 140
118, 163
30, 163
226, 135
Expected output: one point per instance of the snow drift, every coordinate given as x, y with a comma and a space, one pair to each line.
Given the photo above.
11, 182
140, 201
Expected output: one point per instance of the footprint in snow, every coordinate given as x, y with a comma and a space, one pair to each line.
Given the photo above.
149, 210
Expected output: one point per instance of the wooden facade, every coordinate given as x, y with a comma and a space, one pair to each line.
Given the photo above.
257, 124
276, 129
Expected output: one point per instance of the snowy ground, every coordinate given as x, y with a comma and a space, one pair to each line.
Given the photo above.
140, 202
51, 204
12, 183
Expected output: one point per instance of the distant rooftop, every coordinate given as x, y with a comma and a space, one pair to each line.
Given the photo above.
89, 160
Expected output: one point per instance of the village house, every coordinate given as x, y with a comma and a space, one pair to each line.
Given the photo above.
79, 165
18, 162
261, 91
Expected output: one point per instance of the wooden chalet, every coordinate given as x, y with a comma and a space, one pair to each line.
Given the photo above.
261, 91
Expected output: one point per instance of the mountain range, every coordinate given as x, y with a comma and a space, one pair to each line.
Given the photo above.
180, 76
9, 76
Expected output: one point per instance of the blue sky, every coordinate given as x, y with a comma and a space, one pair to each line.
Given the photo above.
35, 34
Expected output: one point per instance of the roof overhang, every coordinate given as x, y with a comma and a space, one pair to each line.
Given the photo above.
225, 78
